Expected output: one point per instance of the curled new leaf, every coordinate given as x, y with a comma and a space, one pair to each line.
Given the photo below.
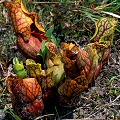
58, 70
54, 63
51, 53
19, 68
33, 68
26, 96
29, 32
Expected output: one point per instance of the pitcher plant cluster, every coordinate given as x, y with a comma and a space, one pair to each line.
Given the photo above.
69, 69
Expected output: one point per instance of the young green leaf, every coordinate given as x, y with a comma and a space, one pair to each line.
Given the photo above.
54, 39
49, 32
43, 51
19, 68
58, 41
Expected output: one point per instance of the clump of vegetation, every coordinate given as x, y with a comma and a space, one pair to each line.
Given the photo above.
73, 21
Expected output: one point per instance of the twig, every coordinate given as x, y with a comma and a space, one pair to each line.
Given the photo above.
88, 99
113, 88
2, 67
43, 2
53, 2
115, 99
40, 117
93, 114
114, 104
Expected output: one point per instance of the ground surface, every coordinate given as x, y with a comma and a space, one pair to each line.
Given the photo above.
102, 100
